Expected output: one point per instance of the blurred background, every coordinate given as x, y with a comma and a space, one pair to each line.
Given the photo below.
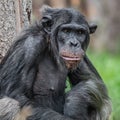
104, 46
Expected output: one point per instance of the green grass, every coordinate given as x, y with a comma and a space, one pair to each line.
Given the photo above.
109, 68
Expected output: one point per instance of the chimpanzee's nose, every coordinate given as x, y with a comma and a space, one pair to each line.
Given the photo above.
74, 43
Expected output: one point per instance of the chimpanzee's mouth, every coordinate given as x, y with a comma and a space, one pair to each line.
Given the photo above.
70, 58
71, 61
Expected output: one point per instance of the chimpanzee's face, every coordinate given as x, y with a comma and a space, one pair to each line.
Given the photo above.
71, 37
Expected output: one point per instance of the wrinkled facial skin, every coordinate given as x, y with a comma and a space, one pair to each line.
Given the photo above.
71, 37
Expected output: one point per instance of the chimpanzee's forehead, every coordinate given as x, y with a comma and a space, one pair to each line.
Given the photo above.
69, 15
77, 17
66, 16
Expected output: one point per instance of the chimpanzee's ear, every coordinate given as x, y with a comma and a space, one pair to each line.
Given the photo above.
46, 18
47, 23
92, 28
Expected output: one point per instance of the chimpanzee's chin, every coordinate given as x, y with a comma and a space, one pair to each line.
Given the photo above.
71, 65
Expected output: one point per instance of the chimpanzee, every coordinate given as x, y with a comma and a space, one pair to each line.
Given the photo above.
33, 73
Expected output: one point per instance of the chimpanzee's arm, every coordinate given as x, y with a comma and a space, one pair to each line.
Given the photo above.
40, 113
10, 109
88, 98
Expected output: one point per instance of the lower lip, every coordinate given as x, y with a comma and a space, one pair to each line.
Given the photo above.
72, 59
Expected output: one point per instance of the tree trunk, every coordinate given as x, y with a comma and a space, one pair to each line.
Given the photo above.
14, 14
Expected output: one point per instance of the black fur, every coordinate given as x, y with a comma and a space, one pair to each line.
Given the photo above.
34, 73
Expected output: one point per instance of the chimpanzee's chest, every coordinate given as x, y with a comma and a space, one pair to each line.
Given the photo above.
50, 83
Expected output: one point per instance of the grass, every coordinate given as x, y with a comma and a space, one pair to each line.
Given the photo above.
109, 68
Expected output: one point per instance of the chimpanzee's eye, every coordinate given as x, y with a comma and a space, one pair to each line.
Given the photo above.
79, 32
66, 30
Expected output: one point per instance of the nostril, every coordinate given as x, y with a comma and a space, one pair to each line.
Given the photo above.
75, 44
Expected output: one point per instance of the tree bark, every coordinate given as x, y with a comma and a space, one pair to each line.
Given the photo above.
14, 15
